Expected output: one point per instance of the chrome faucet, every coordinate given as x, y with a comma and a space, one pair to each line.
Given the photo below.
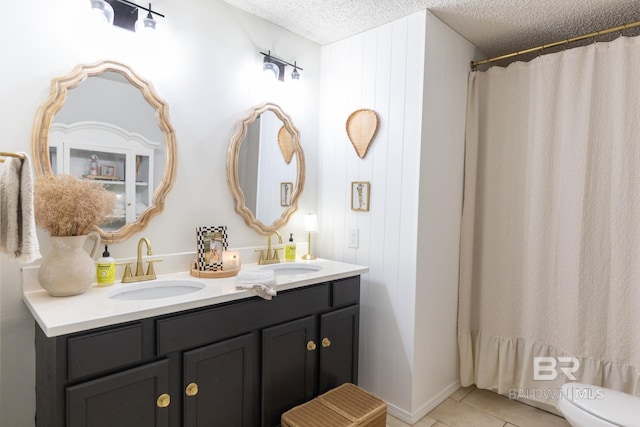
271, 257
140, 274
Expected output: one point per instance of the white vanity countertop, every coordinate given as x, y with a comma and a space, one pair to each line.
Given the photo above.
93, 309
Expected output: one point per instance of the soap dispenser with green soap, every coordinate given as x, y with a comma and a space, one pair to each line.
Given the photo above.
290, 253
105, 269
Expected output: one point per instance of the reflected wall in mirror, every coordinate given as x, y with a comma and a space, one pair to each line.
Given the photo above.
104, 122
265, 168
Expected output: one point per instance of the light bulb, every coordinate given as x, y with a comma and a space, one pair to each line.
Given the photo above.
102, 11
271, 69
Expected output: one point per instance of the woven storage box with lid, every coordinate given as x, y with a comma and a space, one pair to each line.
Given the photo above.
355, 404
314, 414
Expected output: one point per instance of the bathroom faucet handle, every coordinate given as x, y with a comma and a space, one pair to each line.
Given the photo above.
150, 269
275, 253
127, 270
261, 260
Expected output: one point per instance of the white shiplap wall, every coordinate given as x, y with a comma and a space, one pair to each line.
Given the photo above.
380, 69
384, 69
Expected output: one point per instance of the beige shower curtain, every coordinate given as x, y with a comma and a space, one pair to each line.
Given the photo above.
550, 251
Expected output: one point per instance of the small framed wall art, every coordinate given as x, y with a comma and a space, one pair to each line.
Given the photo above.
360, 193
286, 188
108, 171
211, 243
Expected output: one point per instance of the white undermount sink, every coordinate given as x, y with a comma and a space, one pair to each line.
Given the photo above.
154, 289
292, 268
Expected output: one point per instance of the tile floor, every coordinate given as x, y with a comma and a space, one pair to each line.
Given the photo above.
472, 407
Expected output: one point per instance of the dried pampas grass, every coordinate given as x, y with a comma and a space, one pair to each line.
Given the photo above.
69, 206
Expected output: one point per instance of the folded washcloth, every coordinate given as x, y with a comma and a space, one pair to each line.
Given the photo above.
261, 282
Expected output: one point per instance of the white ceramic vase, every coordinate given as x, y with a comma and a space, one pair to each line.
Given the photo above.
68, 269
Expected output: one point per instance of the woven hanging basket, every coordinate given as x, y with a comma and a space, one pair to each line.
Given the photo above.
285, 141
362, 126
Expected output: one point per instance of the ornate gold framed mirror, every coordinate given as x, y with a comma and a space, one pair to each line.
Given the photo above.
104, 122
266, 168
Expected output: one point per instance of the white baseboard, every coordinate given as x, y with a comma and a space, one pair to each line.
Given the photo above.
424, 409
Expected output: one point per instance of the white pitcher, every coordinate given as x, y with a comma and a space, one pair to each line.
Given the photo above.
69, 269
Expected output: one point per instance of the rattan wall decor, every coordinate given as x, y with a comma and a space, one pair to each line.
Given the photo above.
362, 126
285, 141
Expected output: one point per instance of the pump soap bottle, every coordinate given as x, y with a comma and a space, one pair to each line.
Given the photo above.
290, 254
105, 269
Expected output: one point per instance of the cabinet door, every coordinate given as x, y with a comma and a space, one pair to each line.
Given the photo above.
289, 354
127, 399
219, 384
338, 348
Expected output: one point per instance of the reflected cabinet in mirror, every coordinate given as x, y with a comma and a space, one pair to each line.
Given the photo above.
265, 168
105, 123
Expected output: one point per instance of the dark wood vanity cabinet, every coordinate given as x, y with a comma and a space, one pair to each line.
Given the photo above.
219, 383
240, 364
126, 399
299, 363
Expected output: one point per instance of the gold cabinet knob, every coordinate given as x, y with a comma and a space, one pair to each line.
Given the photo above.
311, 346
163, 401
326, 342
192, 389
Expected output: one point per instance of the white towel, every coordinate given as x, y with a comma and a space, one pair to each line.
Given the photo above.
261, 282
18, 237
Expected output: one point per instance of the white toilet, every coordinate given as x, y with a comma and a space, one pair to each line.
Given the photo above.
585, 405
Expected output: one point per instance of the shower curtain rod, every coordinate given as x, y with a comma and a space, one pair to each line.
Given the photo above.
474, 64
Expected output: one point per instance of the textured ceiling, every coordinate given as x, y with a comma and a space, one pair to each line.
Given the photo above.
494, 26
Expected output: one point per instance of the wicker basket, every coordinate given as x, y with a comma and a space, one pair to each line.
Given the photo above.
357, 405
346, 405
314, 414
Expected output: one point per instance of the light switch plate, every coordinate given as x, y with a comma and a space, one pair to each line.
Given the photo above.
353, 238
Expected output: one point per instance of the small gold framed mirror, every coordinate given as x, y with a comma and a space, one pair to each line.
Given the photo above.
266, 168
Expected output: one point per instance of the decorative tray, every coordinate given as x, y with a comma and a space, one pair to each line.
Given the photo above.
210, 274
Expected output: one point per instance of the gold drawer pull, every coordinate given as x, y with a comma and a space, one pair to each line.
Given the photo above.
311, 346
192, 389
326, 342
163, 401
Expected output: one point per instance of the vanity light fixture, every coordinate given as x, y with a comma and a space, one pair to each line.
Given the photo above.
276, 67
124, 14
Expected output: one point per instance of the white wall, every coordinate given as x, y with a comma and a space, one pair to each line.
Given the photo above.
204, 61
440, 210
412, 72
